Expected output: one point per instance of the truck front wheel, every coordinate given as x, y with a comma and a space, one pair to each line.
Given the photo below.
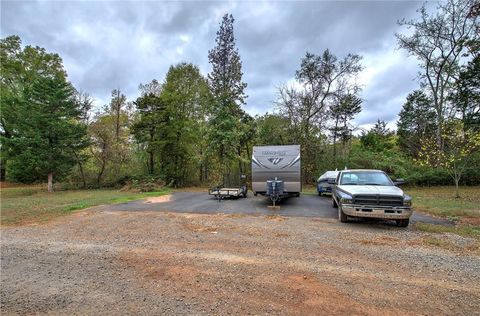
334, 204
403, 222
341, 215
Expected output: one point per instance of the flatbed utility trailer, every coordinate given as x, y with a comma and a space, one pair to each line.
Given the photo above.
222, 193
230, 191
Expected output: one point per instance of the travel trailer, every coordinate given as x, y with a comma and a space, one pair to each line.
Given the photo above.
276, 171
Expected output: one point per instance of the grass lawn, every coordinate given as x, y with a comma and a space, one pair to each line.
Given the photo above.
441, 201
32, 204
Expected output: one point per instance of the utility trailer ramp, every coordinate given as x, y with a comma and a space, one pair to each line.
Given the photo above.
277, 163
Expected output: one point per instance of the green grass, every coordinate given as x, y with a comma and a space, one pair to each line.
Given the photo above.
462, 230
441, 201
32, 204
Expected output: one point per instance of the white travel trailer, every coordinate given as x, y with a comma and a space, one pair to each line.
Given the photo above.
276, 171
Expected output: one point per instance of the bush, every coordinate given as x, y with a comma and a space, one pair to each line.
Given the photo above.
142, 183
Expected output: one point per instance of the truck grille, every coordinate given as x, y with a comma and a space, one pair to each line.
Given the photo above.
385, 200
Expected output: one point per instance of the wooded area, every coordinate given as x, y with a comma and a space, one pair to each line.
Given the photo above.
190, 129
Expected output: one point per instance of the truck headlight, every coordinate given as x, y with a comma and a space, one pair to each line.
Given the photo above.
346, 200
407, 200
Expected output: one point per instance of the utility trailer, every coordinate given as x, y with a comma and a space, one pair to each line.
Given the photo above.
276, 171
230, 189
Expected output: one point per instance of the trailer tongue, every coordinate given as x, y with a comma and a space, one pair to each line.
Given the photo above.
275, 190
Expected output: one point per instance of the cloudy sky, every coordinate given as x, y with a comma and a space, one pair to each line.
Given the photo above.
120, 44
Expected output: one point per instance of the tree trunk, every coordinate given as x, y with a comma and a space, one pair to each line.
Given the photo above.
3, 169
457, 193
99, 177
150, 164
50, 182
335, 140
80, 166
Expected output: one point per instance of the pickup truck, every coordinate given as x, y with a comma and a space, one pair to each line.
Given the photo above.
371, 194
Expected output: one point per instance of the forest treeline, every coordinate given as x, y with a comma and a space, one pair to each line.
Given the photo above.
190, 129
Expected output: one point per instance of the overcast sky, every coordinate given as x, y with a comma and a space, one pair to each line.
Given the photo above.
113, 44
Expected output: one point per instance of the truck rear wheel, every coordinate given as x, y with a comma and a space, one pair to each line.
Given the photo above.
403, 222
341, 215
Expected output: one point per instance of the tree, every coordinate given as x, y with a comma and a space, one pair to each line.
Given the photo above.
417, 121
378, 138
227, 88
440, 43
460, 147
85, 102
466, 97
20, 68
341, 112
110, 133
185, 96
116, 104
225, 80
150, 113
273, 129
321, 80
49, 131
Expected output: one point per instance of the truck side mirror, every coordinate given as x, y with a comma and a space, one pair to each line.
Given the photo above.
399, 181
331, 181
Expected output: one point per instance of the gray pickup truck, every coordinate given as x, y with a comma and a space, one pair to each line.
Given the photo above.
371, 194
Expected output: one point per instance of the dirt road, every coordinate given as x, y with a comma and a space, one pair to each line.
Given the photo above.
104, 262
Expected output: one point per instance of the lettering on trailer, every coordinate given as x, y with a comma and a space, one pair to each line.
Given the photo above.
275, 161
274, 153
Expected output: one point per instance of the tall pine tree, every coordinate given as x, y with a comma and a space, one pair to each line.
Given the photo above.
49, 132
228, 90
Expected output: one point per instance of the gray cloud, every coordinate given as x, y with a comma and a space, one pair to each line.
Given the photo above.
107, 45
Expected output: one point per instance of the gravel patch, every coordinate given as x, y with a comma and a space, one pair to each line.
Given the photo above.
104, 262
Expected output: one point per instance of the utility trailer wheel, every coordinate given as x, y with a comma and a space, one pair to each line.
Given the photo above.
403, 222
341, 215
334, 204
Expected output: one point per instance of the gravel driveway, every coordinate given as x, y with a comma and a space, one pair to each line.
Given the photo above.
100, 261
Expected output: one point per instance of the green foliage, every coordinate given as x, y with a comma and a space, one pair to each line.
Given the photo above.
150, 113
273, 129
48, 133
467, 95
230, 130
379, 138
27, 82
186, 98
417, 121
110, 153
